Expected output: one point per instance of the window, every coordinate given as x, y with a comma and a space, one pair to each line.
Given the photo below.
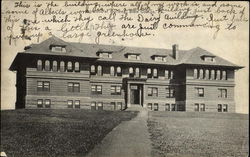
225, 108
39, 65
115, 90
77, 103
47, 103
77, 66
167, 107
74, 87
134, 57
99, 70
224, 75
54, 66
222, 93
100, 105
96, 89
92, 69
212, 75
62, 66
218, 75
105, 55
200, 92
196, 107
150, 106
202, 107
93, 105
47, 65
152, 91
201, 74
137, 72
156, 107
219, 108
209, 59
119, 71
70, 103
39, 103
170, 92
69, 67
155, 73
149, 73
58, 49
171, 74
131, 72
43, 86
173, 107
113, 105
166, 74
206, 74
119, 105
112, 71
195, 73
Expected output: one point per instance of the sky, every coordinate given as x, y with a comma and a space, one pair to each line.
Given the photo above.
230, 45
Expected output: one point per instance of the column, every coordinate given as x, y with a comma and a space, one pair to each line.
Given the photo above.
128, 95
144, 97
140, 95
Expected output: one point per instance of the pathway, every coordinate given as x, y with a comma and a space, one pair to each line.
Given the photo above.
128, 139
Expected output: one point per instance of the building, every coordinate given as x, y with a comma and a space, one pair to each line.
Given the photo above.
59, 74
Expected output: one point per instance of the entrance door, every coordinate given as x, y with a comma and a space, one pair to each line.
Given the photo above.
134, 96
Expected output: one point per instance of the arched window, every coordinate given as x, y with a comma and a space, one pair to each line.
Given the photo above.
92, 69
112, 71
119, 71
149, 71
69, 66
137, 72
39, 65
62, 66
171, 74
166, 74
47, 65
131, 70
201, 74
54, 68
212, 75
195, 73
99, 70
224, 75
77, 66
155, 73
218, 77
207, 74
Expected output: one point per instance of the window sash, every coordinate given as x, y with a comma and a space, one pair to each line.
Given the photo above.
77, 66
167, 107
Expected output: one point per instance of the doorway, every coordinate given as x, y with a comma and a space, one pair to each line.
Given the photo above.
135, 96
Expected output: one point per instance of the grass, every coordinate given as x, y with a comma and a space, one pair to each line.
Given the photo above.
56, 132
179, 134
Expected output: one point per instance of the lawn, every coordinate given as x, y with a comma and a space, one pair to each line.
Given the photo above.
182, 134
42, 133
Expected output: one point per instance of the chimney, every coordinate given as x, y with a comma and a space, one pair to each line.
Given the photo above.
175, 48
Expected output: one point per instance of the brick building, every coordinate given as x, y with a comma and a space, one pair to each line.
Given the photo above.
59, 74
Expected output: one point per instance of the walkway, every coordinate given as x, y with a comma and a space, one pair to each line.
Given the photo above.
128, 139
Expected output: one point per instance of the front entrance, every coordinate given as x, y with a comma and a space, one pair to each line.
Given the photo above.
134, 95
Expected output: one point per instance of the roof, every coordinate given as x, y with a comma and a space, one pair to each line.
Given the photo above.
187, 57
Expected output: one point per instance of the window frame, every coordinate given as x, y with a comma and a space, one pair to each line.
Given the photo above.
47, 105
39, 105
170, 92
70, 105
42, 86
198, 90
73, 87
94, 89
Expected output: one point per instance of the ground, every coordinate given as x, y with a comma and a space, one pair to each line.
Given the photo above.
179, 134
74, 133
56, 132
